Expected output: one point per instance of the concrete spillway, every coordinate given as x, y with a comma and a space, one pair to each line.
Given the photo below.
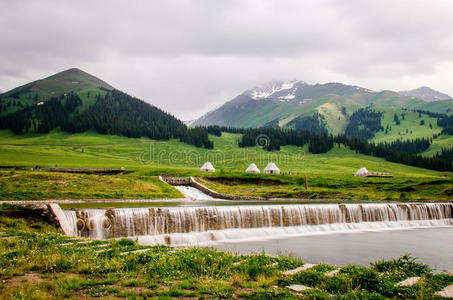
192, 225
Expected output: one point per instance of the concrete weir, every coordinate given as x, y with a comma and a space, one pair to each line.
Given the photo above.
199, 224
191, 181
62, 220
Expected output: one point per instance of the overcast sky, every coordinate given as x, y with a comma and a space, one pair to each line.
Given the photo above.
188, 57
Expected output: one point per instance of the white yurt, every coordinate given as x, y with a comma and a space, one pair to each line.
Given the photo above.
207, 167
252, 169
362, 172
271, 168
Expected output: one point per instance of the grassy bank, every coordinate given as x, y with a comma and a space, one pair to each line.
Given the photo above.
332, 187
42, 185
39, 262
39, 185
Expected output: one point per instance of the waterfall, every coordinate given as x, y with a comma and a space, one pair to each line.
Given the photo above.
193, 193
182, 225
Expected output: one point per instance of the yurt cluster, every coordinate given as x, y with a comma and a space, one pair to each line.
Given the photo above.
271, 168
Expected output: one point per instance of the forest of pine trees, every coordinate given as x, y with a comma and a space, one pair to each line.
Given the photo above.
42, 118
314, 123
115, 113
405, 152
364, 124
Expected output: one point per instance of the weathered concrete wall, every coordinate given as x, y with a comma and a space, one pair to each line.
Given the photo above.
191, 181
60, 219
176, 180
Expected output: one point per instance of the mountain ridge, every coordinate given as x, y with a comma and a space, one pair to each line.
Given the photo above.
276, 101
426, 93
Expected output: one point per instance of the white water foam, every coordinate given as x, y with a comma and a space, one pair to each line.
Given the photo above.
193, 193
210, 238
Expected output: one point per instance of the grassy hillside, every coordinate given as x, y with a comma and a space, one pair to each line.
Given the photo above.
442, 142
409, 127
84, 84
441, 107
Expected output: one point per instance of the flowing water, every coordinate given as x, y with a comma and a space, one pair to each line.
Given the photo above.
334, 233
211, 224
193, 193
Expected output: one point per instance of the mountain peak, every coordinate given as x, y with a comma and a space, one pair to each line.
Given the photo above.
77, 76
426, 93
274, 90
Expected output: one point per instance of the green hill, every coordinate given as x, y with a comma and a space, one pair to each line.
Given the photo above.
75, 101
72, 80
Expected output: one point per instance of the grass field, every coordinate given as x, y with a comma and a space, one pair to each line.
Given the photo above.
94, 150
50, 185
330, 175
38, 262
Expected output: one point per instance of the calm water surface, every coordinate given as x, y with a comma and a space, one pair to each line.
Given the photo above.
432, 246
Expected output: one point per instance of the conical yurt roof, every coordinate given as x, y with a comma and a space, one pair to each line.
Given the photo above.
252, 169
207, 167
362, 172
271, 167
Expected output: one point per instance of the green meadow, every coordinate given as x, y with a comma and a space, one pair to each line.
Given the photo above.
104, 151
330, 175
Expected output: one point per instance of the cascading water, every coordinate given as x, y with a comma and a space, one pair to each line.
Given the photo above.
193, 193
197, 225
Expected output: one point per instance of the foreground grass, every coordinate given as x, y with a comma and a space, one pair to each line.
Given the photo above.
38, 262
37, 185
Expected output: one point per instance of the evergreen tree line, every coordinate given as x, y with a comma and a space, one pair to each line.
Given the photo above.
410, 146
273, 138
446, 122
446, 154
364, 124
115, 113
315, 123
121, 114
385, 151
41, 118
404, 152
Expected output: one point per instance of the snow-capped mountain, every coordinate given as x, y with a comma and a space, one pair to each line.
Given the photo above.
426, 93
280, 101
275, 90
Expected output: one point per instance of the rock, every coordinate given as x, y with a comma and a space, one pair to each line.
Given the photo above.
332, 273
8, 237
409, 281
299, 269
135, 251
447, 292
298, 287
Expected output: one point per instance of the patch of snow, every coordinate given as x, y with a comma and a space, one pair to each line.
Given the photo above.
268, 89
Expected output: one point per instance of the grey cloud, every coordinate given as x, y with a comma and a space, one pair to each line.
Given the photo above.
188, 57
